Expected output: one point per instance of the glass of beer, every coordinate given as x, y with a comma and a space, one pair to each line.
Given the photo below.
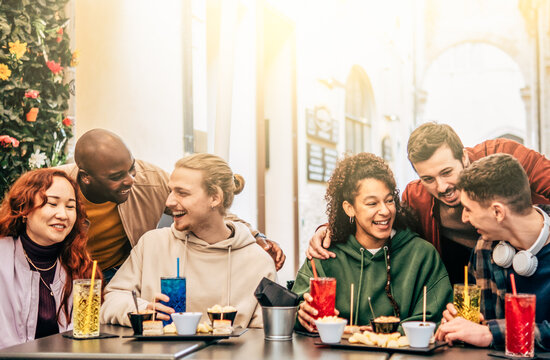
86, 305
175, 289
520, 324
467, 307
323, 292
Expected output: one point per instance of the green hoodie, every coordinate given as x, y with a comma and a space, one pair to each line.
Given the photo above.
414, 263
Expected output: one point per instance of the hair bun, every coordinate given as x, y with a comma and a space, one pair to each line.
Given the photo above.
239, 183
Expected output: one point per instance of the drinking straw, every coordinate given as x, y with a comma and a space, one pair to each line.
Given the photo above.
178, 271
351, 307
372, 311
466, 295
424, 306
90, 296
513, 281
314, 269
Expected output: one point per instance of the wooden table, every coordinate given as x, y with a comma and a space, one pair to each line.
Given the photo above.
249, 346
252, 345
59, 347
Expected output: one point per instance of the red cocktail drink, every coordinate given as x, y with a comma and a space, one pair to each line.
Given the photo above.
323, 291
520, 324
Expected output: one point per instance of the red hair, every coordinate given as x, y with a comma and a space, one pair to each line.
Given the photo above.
20, 202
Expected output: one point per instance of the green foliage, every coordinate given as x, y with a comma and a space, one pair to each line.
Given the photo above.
36, 23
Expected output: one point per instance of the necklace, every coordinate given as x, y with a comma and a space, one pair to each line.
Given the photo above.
40, 269
36, 267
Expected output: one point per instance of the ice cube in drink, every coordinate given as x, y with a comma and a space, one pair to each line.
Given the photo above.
86, 308
520, 324
323, 291
468, 308
175, 289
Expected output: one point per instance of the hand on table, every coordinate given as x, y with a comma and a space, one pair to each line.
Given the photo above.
307, 313
319, 243
274, 250
459, 329
450, 313
162, 311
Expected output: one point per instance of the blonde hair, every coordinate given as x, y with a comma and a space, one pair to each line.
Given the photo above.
216, 175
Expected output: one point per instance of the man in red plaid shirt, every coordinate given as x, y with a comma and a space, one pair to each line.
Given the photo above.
496, 198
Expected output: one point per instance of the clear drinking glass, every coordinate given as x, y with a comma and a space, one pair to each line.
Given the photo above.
175, 289
520, 324
323, 291
86, 308
467, 308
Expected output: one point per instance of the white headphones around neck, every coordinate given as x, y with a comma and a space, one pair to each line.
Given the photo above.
525, 261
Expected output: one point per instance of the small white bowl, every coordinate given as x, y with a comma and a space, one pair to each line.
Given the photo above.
331, 332
186, 322
419, 333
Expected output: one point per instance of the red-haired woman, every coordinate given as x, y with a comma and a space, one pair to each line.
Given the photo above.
42, 249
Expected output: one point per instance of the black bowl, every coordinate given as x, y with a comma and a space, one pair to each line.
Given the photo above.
384, 327
137, 321
226, 316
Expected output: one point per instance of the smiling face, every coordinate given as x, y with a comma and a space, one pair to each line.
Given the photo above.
110, 178
189, 202
52, 222
480, 217
374, 211
439, 175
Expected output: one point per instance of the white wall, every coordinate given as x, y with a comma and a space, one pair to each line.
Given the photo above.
242, 150
279, 178
129, 79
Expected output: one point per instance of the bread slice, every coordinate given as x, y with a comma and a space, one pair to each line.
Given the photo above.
152, 328
222, 327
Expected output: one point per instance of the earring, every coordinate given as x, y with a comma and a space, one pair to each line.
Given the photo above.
351, 219
24, 219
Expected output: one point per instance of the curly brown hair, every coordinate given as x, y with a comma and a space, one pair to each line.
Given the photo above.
344, 186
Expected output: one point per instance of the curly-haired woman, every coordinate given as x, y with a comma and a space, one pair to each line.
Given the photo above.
42, 249
374, 250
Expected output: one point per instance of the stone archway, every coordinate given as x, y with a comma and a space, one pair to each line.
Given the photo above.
478, 89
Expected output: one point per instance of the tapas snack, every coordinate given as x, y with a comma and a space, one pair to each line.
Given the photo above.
219, 309
393, 340
385, 324
330, 328
204, 328
330, 319
217, 312
170, 329
222, 327
352, 329
387, 319
152, 328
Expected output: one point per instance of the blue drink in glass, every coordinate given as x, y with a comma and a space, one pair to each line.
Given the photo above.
175, 289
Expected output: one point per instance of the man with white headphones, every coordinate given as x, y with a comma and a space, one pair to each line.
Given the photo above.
515, 238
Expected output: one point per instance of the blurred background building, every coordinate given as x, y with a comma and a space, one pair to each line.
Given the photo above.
281, 89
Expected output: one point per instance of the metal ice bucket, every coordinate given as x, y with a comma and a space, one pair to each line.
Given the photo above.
279, 322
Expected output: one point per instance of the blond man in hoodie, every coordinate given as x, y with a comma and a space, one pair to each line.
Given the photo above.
216, 254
